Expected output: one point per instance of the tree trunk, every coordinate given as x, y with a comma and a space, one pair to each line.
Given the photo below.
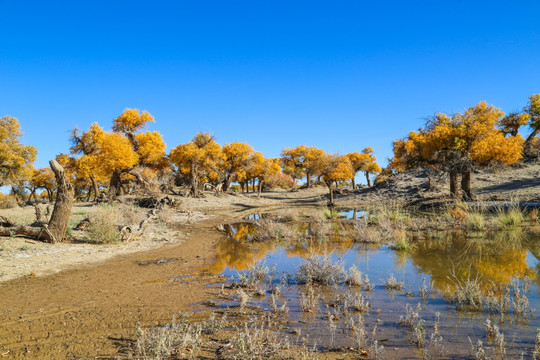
227, 184
50, 195
62, 207
454, 183
194, 179
527, 146
308, 176
353, 183
331, 195
114, 185
466, 185
260, 188
96, 187
89, 193
368, 179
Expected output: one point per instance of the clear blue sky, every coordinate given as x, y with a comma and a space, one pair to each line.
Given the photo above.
339, 75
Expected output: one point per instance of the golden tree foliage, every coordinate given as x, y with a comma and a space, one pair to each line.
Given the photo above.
103, 153
132, 120
236, 158
151, 149
365, 162
459, 143
198, 158
533, 110
511, 123
15, 158
335, 168
302, 161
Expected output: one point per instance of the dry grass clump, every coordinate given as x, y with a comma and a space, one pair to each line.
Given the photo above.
178, 339
322, 271
330, 213
256, 341
356, 278
256, 276
172, 341
357, 302
533, 215
309, 300
103, 228
511, 217
392, 283
274, 230
365, 233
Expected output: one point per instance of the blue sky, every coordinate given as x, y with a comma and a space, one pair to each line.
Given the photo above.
338, 75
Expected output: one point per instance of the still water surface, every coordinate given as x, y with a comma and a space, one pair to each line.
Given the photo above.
494, 259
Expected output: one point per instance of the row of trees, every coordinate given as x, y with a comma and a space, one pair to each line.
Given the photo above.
129, 156
460, 143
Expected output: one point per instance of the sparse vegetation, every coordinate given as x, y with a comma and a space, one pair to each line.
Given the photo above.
103, 228
321, 271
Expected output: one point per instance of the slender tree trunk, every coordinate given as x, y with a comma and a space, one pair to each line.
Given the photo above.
89, 193
454, 183
353, 184
95, 186
466, 185
368, 179
194, 179
308, 176
331, 195
259, 188
114, 185
527, 146
62, 207
50, 195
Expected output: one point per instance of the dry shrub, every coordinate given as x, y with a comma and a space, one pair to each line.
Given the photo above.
321, 271
103, 228
458, 214
7, 201
533, 215
180, 339
274, 230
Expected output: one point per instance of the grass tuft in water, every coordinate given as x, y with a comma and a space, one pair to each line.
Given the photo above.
322, 271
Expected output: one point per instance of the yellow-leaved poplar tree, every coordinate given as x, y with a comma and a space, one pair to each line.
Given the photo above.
15, 158
458, 144
198, 158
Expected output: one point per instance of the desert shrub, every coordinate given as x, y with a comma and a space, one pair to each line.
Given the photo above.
7, 201
167, 342
103, 227
321, 271
235, 188
457, 213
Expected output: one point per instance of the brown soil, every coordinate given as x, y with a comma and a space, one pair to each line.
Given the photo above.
89, 312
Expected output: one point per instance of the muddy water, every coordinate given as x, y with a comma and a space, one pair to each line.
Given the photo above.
442, 260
